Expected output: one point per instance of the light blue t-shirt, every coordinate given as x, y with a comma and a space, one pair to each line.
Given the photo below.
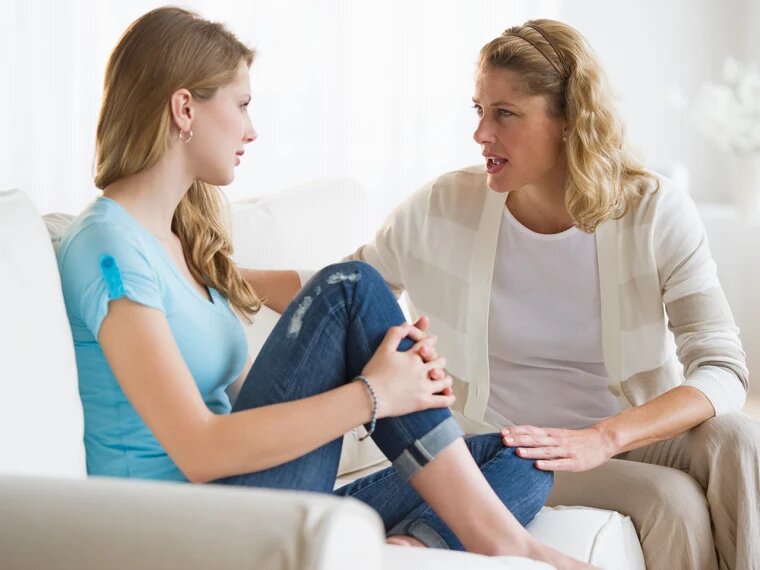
107, 254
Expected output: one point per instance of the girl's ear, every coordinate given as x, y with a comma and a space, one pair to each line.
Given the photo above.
183, 111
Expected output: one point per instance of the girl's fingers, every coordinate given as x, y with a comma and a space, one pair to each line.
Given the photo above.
441, 401
394, 336
426, 342
439, 386
436, 374
416, 334
439, 362
422, 323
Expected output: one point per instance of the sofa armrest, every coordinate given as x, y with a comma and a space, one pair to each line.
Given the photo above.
115, 524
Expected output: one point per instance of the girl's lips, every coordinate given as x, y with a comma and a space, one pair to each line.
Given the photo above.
494, 165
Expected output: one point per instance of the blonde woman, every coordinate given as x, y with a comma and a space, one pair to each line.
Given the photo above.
153, 298
551, 275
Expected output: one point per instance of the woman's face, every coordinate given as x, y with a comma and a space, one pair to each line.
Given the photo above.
221, 128
520, 139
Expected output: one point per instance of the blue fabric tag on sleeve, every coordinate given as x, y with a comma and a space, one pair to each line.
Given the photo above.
112, 275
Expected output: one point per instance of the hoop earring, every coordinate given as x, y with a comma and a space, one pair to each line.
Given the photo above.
189, 136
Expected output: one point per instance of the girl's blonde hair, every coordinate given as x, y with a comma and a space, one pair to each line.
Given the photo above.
161, 52
554, 60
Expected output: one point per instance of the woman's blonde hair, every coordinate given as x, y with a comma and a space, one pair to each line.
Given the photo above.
554, 60
161, 52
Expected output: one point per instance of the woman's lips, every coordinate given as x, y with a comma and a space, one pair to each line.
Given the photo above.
494, 164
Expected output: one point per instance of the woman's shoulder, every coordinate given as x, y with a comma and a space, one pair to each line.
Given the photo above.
661, 202
451, 193
461, 185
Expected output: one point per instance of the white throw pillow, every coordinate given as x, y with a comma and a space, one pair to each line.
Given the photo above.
40, 412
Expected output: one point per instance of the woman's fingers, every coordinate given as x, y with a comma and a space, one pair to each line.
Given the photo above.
529, 440
558, 465
542, 452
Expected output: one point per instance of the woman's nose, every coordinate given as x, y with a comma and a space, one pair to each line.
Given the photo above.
482, 133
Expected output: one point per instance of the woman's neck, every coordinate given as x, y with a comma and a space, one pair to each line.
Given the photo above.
540, 206
152, 195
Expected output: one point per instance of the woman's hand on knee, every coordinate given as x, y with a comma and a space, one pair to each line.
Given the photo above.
407, 382
556, 449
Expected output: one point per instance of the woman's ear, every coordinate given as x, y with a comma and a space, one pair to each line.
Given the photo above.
183, 111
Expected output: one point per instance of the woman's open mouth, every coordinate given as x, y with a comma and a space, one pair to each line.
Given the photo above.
494, 164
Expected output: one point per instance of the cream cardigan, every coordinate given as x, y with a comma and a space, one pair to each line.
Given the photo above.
655, 271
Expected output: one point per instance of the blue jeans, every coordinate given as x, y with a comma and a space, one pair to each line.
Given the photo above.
323, 340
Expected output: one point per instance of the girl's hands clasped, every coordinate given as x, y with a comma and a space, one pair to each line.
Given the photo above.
410, 381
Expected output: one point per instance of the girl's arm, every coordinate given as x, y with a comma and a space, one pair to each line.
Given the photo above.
150, 369
275, 288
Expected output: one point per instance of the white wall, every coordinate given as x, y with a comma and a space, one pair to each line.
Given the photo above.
653, 49
379, 91
375, 90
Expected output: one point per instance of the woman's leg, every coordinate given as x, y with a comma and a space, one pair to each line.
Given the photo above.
667, 507
324, 339
518, 484
723, 456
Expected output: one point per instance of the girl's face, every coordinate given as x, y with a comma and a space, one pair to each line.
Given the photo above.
221, 128
520, 139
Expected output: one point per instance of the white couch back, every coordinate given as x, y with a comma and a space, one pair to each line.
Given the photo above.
41, 422
41, 419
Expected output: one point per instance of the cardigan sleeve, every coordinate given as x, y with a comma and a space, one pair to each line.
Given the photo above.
707, 339
389, 251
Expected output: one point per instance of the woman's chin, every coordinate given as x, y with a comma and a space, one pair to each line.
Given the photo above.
496, 185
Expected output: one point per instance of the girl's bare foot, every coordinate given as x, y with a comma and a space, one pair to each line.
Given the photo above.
403, 540
560, 561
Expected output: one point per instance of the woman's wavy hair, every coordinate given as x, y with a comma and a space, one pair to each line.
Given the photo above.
165, 50
554, 60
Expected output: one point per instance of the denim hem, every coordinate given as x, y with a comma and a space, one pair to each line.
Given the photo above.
421, 531
422, 450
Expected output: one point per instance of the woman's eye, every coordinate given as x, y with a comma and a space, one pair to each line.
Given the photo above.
478, 110
503, 113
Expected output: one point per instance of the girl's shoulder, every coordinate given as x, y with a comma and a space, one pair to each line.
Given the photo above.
103, 227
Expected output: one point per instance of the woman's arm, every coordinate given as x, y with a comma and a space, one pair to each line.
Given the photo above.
707, 345
206, 446
666, 416
276, 288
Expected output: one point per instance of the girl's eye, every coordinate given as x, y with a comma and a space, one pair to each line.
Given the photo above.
503, 113
478, 110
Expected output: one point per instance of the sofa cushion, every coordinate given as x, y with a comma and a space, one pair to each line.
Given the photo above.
604, 538
40, 412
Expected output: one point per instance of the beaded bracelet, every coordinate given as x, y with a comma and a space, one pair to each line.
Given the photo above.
373, 421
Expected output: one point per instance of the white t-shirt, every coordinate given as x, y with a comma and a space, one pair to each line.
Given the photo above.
545, 330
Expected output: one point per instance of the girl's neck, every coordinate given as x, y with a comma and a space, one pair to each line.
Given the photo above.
151, 196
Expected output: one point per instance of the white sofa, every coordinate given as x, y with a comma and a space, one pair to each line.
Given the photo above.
53, 516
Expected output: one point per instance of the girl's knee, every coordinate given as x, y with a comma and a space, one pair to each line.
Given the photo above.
352, 272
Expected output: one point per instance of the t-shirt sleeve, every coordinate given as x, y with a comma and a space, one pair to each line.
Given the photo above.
101, 265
